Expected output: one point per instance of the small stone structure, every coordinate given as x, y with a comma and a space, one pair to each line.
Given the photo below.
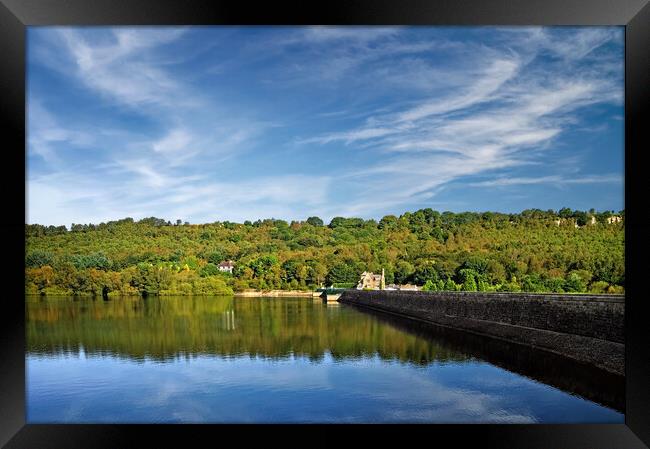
585, 328
372, 281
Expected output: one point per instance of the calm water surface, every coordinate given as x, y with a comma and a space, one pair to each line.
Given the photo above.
272, 360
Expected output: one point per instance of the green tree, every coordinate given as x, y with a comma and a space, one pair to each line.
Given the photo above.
403, 272
342, 273
575, 283
430, 286
425, 271
315, 221
209, 269
450, 285
38, 258
498, 249
469, 284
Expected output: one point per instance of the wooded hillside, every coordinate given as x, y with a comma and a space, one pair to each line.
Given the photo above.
487, 251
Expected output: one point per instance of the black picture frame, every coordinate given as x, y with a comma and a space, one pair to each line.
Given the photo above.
16, 15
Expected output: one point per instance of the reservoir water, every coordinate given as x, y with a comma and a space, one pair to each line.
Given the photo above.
287, 360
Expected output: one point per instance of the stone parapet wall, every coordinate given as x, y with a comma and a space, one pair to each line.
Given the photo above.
587, 328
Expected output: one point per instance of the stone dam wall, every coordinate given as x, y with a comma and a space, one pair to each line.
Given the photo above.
585, 328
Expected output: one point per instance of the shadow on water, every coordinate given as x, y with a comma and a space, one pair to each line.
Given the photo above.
568, 375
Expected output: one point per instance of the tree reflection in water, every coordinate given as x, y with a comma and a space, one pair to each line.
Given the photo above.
280, 328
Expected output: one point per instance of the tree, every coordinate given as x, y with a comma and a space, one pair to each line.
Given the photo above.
425, 271
483, 286
581, 217
565, 212
38, 258
532, 283
273, 254
342, 273
469, 284
216, 256
209, 269
599, 287
403, 272
430, 286
263, 265
153, 221
317, 273
496, 273
476, 264
388, 222
292, 270
315, 221
42, 277
450, 285
577, 281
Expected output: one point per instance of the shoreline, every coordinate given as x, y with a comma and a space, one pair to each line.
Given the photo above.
274, 293
314, 293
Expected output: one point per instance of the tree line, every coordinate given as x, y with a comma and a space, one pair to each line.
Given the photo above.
471, 251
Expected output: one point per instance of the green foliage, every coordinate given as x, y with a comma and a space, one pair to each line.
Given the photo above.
599, 287
575, 283
96, 260
484, 286
486, 251
450, 285
191, 285
555, 285
209, 269
342, 273
315, 221
216, 256
469, 282
403, 272
425, 271
430, 286
38, 258
389, 222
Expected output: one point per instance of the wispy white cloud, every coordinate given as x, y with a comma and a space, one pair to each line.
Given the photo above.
117, 68
553, 180
45, 132
402, 116
350, 136
502, 117
72, 197
349, 34
176, 140
486, 84
139, 172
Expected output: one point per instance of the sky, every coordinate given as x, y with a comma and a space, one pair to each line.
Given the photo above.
220, 123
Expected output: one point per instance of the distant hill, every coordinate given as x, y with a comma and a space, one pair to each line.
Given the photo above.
535, 250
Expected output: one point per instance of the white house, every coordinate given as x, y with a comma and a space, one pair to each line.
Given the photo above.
226, 265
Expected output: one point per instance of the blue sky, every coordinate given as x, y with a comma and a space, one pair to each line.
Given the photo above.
237, 123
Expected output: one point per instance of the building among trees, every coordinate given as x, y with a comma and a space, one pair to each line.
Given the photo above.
227, 265
372, 281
